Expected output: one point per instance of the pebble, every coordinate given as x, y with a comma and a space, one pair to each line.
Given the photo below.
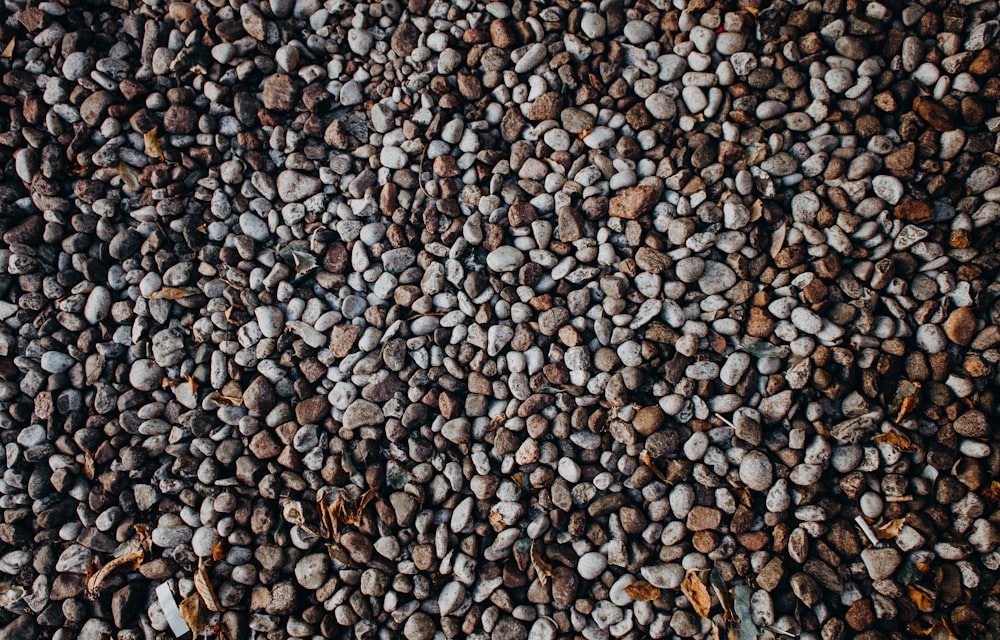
551, 286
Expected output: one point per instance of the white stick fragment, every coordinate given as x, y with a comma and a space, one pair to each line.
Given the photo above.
170, 610
866, 530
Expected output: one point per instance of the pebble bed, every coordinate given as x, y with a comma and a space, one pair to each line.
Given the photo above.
511, 320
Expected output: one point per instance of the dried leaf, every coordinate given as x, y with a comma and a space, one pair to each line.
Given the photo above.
897, 440
542, 568
195, 613
300, 259
497, 422
129, 176
762, 349
697, 594
218, 552
173, 293
992, 493
129, 555
908, 397
778, 240
648, 461
89, 469
497, 521
923, 600
8, 51
890, 529
10, 594
339, 555
151, 140
937, 629
224, 400
756, 210
642, 591
205, 589
723, 593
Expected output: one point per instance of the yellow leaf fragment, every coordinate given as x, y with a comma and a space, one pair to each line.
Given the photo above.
542, 568
205, 589
923, 600
8, 51
642, 591
897, 440
697, 594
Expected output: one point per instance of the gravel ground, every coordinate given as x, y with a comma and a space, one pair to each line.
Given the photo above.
427, 319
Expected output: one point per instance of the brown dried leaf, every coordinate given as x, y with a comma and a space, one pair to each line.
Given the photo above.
542, 568
756, 210
897, 440
129, 176
778, 240
195, 613
8, 51
173, 293
131, 558
642, 591
648, 461
205, 589
339, 555
890, 529
352, 513
89, 469
151, 140
697, 594
992, 493
497, 521
923, 600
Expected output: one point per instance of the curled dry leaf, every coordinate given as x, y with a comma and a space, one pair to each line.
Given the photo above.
778, 240
337, 508
724, 594
205, 589
897, 440
497, 521
151, 141
920, 597
890, 529
173, 293
129, 556
299, 259
697, 594
642, 591
648, 461
936, 629
129, 176
542, 568
89, 469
